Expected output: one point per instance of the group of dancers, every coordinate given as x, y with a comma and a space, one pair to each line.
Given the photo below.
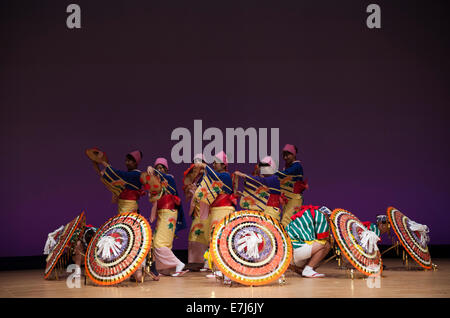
307, 226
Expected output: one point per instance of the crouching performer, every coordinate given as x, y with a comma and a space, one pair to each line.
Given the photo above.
309, 233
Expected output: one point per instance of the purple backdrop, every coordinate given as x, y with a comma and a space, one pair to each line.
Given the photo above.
368, 109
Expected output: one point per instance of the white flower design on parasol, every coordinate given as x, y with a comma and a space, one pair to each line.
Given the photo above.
369, 240
108, 245
52, 240
422, 229
250, 240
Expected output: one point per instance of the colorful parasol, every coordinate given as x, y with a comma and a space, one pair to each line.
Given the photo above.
412, 236
251, 248
356, 242
64, 239
118, 248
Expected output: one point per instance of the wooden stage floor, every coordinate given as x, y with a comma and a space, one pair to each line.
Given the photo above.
396, 281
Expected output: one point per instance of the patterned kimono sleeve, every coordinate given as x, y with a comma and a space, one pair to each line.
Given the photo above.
125, 175
321, 226
272, 182
295, 169
131, 178
172, 187
254, 178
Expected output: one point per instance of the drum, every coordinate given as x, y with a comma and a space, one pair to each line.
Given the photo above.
250, 248
118, 249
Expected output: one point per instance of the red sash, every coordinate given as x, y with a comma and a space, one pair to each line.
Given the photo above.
300, 186
168, 201
128, 194
274, 200
303, 208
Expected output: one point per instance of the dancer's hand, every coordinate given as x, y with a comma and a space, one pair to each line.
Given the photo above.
200, 165
240, 174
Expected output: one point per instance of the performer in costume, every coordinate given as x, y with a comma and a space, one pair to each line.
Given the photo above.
262, 191
216, 194
309, 232
79, 246
291, 183
170, 215
382, 224
127, 199
198, 234
217, 189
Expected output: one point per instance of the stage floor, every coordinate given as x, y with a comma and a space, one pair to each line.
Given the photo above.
396, 281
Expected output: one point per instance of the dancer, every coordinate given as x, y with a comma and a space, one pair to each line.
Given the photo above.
291, 183
128, 197
309, 232
130, 179
79, 246
198, 234
170, 215
262, 191
216, 191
